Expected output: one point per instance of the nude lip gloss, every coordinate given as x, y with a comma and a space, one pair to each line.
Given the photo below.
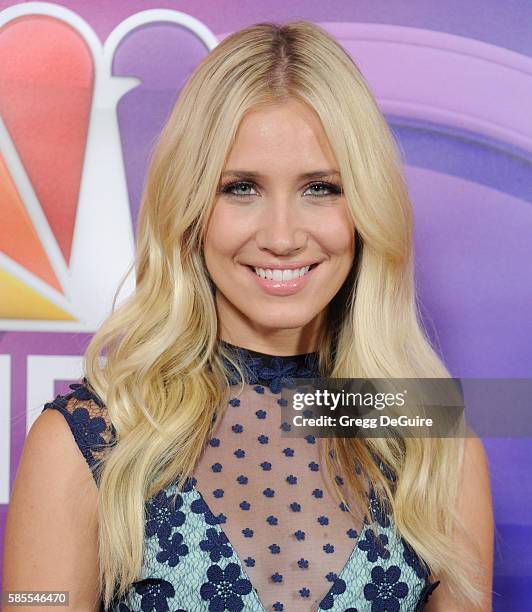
279, 287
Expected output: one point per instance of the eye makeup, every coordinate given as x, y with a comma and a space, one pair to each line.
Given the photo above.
332, 188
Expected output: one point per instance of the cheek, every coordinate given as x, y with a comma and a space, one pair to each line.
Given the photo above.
222, 234
337, 236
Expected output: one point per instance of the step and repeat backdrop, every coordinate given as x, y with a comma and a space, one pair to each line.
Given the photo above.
84, 90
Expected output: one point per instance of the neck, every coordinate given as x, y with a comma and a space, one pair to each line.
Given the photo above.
261, 334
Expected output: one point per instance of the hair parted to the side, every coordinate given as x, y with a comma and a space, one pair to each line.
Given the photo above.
162, 377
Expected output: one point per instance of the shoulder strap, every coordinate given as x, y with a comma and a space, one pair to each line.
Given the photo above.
89, 422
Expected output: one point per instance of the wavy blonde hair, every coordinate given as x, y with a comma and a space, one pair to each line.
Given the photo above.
162, 375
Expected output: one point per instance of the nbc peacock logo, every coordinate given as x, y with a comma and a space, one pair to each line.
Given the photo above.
72, 160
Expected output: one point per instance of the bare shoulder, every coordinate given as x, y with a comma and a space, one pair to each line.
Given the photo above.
51, 528
475, 509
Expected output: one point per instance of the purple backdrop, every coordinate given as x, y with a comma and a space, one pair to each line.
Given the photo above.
467, 178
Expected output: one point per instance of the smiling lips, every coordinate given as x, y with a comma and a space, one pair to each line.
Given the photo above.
283, 279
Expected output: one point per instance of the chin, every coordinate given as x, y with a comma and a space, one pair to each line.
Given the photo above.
281, 320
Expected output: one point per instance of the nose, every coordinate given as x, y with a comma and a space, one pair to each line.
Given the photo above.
282, 230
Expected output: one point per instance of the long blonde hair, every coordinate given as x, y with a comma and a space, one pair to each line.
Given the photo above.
162, 377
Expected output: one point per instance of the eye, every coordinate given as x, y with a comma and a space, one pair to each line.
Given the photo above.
240, 189
330, 187
236, 189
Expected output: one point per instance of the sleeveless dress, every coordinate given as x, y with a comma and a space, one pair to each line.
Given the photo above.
256, 528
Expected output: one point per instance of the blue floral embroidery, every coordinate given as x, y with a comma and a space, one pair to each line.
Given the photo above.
161, 516
279, 374
199, 506
337, 588
154, 593
88, 429
378, 510
172, 550
216, 544
275, 372
81, 392
385, 591
374, 546
190, 483
225, 588
84, 393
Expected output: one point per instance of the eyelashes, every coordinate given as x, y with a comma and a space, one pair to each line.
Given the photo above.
332, 188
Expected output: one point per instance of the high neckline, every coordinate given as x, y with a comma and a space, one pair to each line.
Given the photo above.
272, 371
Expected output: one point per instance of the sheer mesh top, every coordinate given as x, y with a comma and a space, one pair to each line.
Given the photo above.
257, 527
278, 512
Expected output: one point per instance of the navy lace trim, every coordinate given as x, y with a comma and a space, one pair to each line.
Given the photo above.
273, 371
86, 429
425, 594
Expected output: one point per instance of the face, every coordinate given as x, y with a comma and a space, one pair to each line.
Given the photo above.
280, 241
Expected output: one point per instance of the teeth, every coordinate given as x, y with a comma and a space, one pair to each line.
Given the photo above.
281, 275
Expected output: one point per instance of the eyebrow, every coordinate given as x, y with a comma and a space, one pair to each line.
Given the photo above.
305, 175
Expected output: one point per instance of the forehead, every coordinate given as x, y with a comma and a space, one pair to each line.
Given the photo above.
287, 133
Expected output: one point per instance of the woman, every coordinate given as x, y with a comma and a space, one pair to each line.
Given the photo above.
274, 240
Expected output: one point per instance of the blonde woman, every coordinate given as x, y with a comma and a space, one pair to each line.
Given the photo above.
274, 241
